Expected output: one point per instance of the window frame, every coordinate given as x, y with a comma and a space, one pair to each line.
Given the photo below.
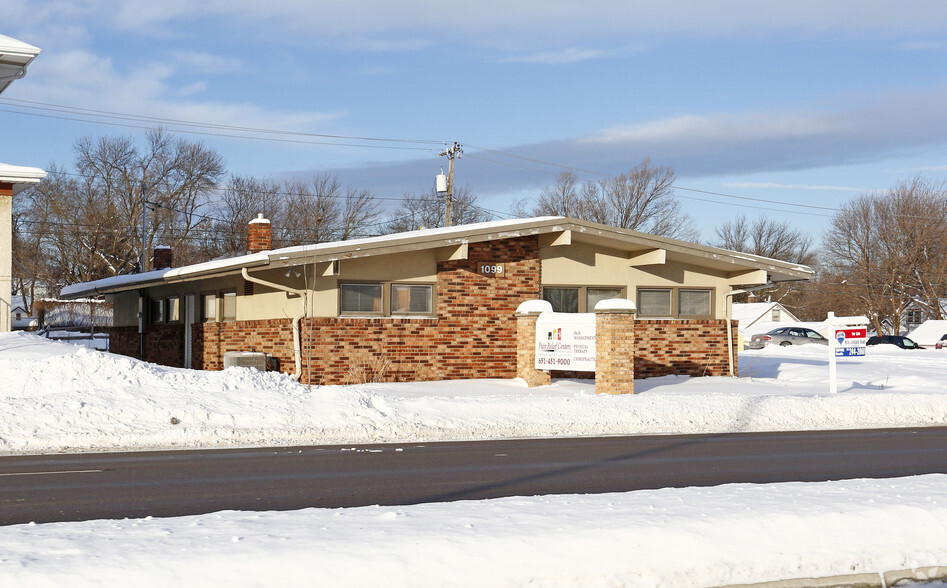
172, 303
430, 299
156, 311
582, 296
224, 295
386, 295
203, 297
675, 308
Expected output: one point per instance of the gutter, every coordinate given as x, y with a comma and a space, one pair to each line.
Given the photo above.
297, 343
729, 296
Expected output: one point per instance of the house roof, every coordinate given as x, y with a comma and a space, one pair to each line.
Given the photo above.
929, 332
14, 57
749, 313
641, 248
20, 176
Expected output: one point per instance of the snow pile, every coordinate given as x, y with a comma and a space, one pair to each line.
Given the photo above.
62, 397
737, 533
59, 397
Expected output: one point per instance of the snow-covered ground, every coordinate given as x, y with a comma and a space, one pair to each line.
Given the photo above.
58, 397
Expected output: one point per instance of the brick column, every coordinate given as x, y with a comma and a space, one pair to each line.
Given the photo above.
526, 316
615, 351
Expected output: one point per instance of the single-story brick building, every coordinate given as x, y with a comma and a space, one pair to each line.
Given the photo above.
433, 303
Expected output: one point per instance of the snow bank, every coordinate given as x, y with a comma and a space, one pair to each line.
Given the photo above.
739, 533
60, 397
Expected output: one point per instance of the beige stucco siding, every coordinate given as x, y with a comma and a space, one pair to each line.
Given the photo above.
582, 264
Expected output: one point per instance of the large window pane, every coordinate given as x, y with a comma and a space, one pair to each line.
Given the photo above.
209, 305
654, 302
594, 295
361, 298
174, 309
230, 306
562, 299
411, 298
157, 311
694, 302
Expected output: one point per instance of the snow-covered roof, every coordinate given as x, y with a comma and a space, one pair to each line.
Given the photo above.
928, 333
561, 230
750, 312
20, 176
14, 57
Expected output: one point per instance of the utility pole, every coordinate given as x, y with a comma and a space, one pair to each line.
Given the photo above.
450, 152
144, 228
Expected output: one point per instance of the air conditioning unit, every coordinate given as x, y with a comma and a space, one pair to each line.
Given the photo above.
250, 359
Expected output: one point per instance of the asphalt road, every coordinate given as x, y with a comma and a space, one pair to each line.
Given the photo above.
70, 487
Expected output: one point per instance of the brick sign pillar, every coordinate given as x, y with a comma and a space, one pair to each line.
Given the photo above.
526, 316
615, 351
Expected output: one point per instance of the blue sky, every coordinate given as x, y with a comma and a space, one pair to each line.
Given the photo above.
754, 104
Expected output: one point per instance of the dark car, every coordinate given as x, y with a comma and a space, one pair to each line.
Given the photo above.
898, 340
787, 336
942, 343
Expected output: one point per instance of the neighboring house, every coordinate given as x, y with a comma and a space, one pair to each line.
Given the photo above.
759, 317
434, 303
20, 317
928, 333
915, 315
15, 56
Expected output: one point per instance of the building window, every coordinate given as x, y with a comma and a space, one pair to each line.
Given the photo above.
594, 295
693, 303
174, 309
914, 317
209, 307
775, 316
675, 302
654, 302
411, 298
230, 306
562, 299
157, 310
360, 298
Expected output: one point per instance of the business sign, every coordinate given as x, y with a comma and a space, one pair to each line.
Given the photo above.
851, 342
565, 341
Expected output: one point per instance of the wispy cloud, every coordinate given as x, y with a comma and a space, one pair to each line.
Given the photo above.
206, 62
559, 56
771, 185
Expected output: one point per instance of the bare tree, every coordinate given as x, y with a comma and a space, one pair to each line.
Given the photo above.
427, 211
890, 246
641, 199
767, 238
239, 202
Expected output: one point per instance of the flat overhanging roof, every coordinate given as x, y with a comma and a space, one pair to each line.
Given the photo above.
20, 176
14, 57
641, 248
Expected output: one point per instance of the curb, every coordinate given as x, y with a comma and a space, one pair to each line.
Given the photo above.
865, 580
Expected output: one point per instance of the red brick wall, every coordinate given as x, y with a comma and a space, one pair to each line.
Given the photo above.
683, 347
472, 336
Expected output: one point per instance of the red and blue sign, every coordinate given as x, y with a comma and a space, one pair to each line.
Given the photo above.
851, 342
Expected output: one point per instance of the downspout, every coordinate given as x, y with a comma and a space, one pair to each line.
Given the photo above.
729, 296
297, 340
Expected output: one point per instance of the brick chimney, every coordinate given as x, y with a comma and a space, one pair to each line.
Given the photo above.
162, 257
259, 235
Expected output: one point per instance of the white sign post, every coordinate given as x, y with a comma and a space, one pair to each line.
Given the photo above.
848, 337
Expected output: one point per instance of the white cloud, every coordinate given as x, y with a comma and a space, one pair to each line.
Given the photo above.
771, 185
566, 55
526, 26
206, 62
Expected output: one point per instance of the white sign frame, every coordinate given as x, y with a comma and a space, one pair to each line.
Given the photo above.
565, 341
843, 323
